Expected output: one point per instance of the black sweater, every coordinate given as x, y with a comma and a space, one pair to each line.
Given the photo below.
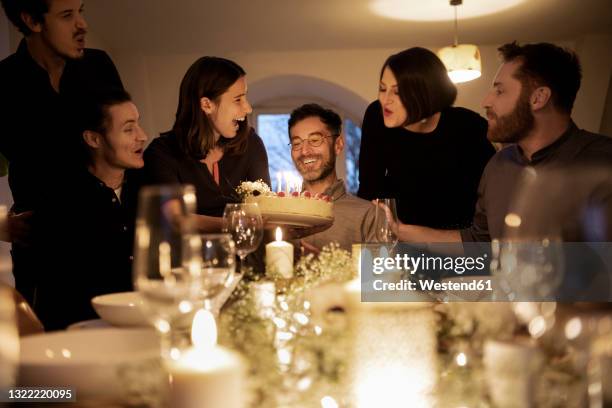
434, 176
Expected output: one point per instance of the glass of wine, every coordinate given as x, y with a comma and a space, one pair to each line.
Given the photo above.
244, 223
218, 270
386, 220
167, 258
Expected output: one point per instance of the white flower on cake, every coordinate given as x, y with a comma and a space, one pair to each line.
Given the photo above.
252, 188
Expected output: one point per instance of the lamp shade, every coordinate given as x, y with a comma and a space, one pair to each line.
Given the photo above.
462, 62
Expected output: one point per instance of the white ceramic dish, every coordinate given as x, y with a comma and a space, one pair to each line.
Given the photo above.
121, 309
89, 324
102, 364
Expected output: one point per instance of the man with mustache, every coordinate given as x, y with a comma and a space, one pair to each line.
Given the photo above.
316, 141
39, 83
87, 250
529, 107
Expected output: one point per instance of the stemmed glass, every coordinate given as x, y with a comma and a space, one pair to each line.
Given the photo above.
218, 270
167, 258
386, 220
244, 223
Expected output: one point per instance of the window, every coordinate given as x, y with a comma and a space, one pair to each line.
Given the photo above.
272, 128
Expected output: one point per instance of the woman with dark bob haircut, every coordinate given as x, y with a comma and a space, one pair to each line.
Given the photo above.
419, 149
211, 144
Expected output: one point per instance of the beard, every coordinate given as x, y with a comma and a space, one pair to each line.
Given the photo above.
514, 126
324, 171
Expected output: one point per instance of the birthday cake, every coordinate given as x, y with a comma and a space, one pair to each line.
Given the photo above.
297, 208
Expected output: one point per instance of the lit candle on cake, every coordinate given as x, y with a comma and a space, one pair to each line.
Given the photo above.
207, 375
287, 182
279, 257
279, 182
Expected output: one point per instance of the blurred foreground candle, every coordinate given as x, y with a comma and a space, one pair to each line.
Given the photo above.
207, 375
511, 370
279, 257
392, 354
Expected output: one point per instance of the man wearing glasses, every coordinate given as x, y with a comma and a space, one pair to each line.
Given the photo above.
316, 141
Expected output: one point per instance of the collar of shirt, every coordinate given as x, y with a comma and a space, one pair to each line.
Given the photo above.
546, 151
336, 190
27, 62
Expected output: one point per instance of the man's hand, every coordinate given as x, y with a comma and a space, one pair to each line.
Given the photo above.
307, 248
301, 232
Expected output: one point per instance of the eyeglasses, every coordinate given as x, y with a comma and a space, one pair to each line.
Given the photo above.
313, 141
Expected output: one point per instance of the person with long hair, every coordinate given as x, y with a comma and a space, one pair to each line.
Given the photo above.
419, 149
211, 144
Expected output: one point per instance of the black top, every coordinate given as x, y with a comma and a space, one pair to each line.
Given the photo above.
165, 163
84, 248
36, 122
433, 176
501, 177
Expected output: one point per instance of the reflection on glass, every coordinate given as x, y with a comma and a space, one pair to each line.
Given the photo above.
167, 257
245, 225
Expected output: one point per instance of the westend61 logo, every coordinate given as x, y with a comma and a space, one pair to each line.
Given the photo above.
525, 271
424, 263
404, 272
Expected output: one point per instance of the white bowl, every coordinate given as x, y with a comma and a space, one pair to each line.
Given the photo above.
101, 364
121, 309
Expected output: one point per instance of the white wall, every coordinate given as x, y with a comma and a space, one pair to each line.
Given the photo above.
595, 53
154, 80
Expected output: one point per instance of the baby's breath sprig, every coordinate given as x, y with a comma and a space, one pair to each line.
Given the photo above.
249, 188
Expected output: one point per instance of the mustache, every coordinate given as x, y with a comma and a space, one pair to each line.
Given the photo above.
79, 32
490, 114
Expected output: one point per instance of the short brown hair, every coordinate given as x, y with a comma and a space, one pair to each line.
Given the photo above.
545, 64
330, 119
422, 81
35, 8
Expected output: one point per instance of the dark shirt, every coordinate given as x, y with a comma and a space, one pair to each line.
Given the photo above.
84, 248
502, 175
36, 122
165, 163
433, 176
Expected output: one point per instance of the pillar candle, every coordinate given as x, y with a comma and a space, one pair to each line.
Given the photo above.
279, 257
207, 375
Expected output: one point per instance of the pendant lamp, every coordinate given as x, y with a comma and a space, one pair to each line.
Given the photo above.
461, 60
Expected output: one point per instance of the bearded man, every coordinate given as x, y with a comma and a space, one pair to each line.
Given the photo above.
316, 141
529, 107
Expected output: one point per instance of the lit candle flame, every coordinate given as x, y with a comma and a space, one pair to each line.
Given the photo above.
279, 234
203, 330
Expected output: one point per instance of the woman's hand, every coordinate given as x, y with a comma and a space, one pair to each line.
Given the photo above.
393, 223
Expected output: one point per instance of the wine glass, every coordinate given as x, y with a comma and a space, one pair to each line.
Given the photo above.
244, 223
556, 233
386, 220
218, 270
167, 258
